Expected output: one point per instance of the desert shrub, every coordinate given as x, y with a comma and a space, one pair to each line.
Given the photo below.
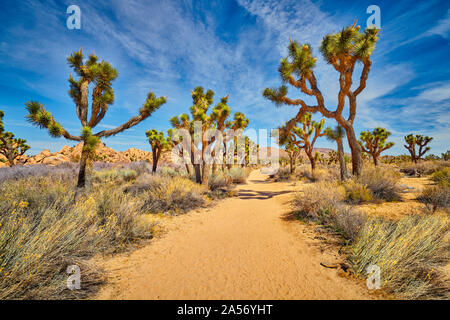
283, 174
322, 202
442, 176
114, 175
320, 174
105, 175
172, 172
128, 175
219, 181
382, 183
435, 197
356, 192
139, 167
347, 221
318, 199
408, 252
162, 194
238, 175
63, 171
422, 168
43, 230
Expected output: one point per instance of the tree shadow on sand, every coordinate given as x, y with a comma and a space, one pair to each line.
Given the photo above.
261, 195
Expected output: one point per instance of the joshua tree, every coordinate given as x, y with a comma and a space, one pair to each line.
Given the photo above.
337, 134
374, 142
239, 122
202, 102
421, 142
293, 151
100, 75
251, 149
446, 156
342, 50
11, 147
219, 116
158, 142
305, 137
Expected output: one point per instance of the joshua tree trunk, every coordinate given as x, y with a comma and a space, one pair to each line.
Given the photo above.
313, 162
291, 164
82, 171
198, 173
205, 174
341, 158
375, 160
156, 154
356, 150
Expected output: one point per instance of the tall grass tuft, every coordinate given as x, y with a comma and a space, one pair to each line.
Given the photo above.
409, 253
382, 182
163, 194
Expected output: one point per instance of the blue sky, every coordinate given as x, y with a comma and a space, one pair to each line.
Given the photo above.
228, 46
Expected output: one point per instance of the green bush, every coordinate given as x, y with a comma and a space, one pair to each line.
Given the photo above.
357, 193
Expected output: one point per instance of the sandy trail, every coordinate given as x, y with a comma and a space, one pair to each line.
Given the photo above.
242, 248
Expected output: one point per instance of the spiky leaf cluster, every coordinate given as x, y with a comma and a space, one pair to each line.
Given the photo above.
299, 61
349, 44
338, 133
156, 138
90, 141
375, 142
42, 118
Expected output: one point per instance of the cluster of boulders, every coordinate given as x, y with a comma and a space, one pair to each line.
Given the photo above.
73, 154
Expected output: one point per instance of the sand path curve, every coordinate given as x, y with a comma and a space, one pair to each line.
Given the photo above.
241, 248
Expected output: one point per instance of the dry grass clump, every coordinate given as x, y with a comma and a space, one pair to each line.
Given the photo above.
238, 175
422, 168
163, 194
113, 175
442, 176
318, 199
323, 202
219, 181
43, 230
356, 192
283, 174
409, 253
382, 183
435, 197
